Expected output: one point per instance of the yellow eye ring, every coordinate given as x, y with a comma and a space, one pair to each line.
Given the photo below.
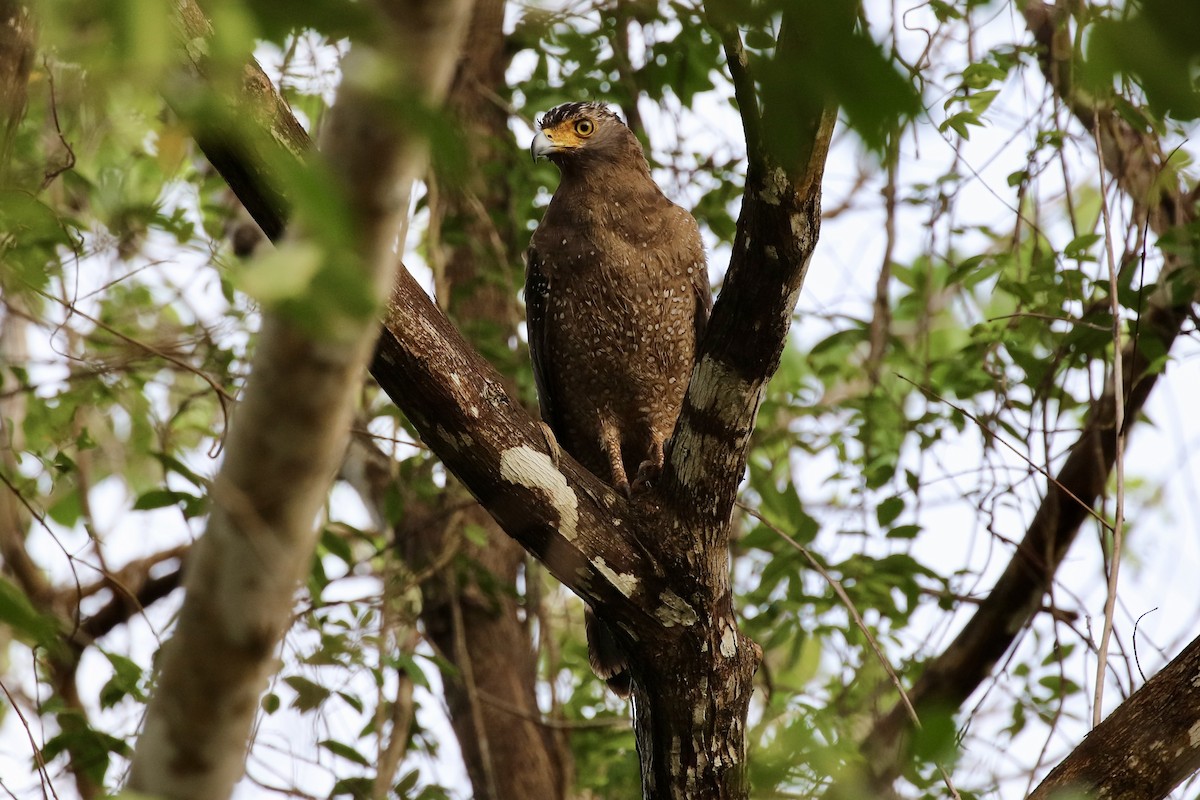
585, 127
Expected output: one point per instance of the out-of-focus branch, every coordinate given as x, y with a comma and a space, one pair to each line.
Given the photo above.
130, 599
16, 60
290, 433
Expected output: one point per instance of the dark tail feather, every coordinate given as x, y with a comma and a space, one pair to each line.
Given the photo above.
606, 658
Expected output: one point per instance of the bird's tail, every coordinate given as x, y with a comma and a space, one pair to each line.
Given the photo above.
605, 656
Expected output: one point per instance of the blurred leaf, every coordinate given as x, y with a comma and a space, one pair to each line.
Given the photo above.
309, 695
30, 624
1157, 46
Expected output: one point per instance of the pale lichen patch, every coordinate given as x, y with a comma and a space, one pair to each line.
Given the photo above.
623, 582
717, 389
1194, 735
527, 467
675, 611
446, 436
775, 187
729, 642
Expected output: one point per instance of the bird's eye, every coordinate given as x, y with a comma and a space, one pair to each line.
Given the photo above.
585, 127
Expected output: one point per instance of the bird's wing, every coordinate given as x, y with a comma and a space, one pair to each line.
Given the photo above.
537, 310
700, 285
704, 304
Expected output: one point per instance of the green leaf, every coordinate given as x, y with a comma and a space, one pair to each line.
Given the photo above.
904, 532
30, 624
887, 511
357, 788
283, 273
67, 509
1079, 246
125, 682
345, 751
309, 695
336, 544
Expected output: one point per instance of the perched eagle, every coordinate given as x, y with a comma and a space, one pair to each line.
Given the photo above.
617, 296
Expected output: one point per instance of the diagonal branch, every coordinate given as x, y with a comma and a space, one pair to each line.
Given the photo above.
1145, 748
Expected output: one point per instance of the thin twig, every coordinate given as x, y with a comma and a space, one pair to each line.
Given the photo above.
846, 601
743, 90
1137, 661
50, 175
1118, 526
1045, 473
222, 395
37, 751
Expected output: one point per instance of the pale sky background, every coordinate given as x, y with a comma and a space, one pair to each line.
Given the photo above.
1163, 505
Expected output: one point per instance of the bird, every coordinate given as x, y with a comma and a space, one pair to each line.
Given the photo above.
617, 298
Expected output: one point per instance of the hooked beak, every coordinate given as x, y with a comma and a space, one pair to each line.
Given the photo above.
541, 146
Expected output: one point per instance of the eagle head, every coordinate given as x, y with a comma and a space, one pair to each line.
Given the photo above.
577, 131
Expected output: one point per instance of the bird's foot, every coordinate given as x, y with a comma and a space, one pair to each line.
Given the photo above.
624, 488
647, 474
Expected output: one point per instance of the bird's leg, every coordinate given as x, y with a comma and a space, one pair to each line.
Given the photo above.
651, 468
610, 440
552, 448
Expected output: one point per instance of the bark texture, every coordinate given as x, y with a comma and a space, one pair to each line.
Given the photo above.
1145, 748
283, 448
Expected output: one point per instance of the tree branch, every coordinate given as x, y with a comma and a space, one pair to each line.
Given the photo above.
288, 436
1145, 748
776, 235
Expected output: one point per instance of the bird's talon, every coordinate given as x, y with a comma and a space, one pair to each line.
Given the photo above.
648, 473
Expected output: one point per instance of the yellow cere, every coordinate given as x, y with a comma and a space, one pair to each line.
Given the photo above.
570, 133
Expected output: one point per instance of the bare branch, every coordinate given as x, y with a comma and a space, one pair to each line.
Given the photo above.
776, 235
